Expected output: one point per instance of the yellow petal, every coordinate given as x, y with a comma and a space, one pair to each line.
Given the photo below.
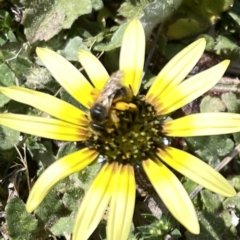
175, 71
196, 170
172, 194
94, 68
202, 124
132, 55
67, 75
56, 172
94, 203
44, 127
190, 89
122, 204
46, 103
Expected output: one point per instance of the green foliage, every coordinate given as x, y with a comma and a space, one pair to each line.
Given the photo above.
38, 78
50, 210
8, 138
71, 198
115, 41
16, 58
212, 202
159, 228
63, 227
219, 217
66, 149
212, 227
150, 12
211, 149
44, 19
41, 152
235, 181
157, 12
98, 26
134, 9
231, 102
7, 79
212, 104
87, 175
215, 218
194, 17
20, 223
6, 27
72, 47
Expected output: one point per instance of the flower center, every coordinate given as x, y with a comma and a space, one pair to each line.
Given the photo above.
130, 135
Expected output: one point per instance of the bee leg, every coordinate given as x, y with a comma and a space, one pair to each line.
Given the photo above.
114, 118
123, 106
132, 106
97, 128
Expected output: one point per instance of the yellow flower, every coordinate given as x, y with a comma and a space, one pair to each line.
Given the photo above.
136, 137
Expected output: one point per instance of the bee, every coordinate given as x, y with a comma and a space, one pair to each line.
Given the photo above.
114, 91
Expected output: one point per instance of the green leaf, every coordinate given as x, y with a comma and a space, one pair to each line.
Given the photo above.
111, 60
43, 153
72, 47
44, 19
3, 39
50, 209
150, 12
231, 102
6, 159
194, 17
235, 182
88, 174
32, 144
188, 184
72, 197
236, 137
210, 41
212, 227
157, 12
211, 149
66, 149
8, 138
231, 215
176, 233
211, 104
224, 42
235, 16
7, 79
172, 49
5, 20
20, 223
227, 217
227, 46
233, 202
115, 41
63, 227
17, 59
81, 179
235, 12
130, 9
38, 78
211, 200
97, 4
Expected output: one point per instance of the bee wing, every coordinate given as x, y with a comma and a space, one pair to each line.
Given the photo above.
112, 86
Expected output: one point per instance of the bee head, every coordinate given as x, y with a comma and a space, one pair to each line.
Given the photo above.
99, 114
